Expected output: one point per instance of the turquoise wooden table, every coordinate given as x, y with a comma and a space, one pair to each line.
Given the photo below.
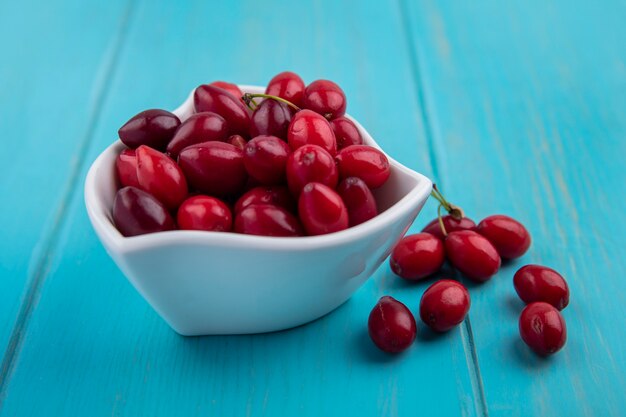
511, 107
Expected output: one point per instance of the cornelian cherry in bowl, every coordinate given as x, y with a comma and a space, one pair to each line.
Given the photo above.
197, 279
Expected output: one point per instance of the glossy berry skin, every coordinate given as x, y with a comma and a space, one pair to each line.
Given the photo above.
214, 168
321, 210
365, 162
159, 175
391, 325
135, 212
271, 117
310, 163
153, 128
267, 220
508, 236
444, 305
287, 85
202, 212
542, 328
309, 128
216, 100
472, 254
265, 158
451, 224
230, 87
358, 199
126, 168
200, 127
346, 132
274, 195
237, 141
326, 98
540, 283
417, 256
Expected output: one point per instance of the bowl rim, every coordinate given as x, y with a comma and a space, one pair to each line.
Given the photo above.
113, 239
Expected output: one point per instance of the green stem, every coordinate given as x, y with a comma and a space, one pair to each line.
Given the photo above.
443, 228
249, 97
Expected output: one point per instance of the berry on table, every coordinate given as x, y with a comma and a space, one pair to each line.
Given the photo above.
472, 254
542, 328
451, 224
391, 325
417, 256
540, 283
508, 236
444, 305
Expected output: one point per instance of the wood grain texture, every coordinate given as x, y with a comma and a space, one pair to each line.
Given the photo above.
50, 96
526, 103
94, 347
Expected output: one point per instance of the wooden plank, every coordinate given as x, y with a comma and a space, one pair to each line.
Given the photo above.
53, 76
526, 102
95, 347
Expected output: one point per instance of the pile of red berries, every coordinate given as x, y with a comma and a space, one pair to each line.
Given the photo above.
476, 251
289, 163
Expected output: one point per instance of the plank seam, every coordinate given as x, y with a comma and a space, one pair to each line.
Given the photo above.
471, 357
50, 241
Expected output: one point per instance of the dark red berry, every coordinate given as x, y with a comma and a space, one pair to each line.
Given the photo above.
274, 195
153, 128
202, 212
310, 163
267, 220
201, 127
135, 212
472, 254
287, 85
444, 305
265, 158
508, 236
365, 162
216, 100
391, 325
237, 141
326, 98
451, 224
214, 168
358, 199
542, 328
309, 128
126, 168
159, 175
346, 132
271, 117
321, 210
230, 87
417, 256
540, 283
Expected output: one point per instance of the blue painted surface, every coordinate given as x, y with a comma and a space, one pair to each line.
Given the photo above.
512, 108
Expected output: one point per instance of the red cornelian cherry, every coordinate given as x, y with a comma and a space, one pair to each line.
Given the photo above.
391, 325
274, 195
153, 128
202, 212
126, 167
310, 128
508, 236
230, 87
271, 117
135, 212
159, 175
214, 99
214, 168
310, 163
451, 224
265, 158
326, 98
358, 199
267, 220
321, 210
200, 127
444, 305
417, 256
472, 254
540, 283
237, 141
542, 328
365, 162
346, 132
287, 85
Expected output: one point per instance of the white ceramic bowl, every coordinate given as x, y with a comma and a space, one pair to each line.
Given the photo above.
205, 283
